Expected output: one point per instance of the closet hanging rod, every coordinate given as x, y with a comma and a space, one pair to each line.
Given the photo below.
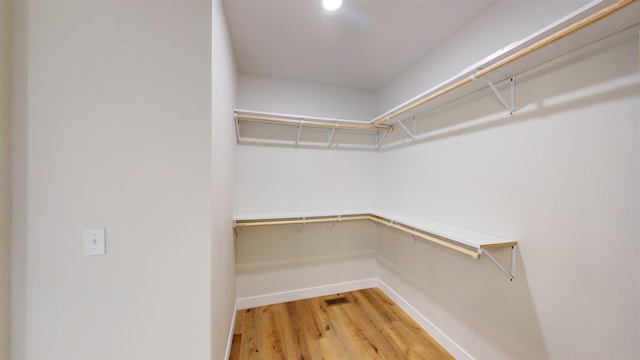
337, 124
302, 221
476, 254
560, 34
461, 249
466, 242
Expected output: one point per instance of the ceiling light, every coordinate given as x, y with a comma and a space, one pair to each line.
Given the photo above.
332, 5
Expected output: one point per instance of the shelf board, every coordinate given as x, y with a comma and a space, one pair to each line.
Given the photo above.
431, 230
473, 239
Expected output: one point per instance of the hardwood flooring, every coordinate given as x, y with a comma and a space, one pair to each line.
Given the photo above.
368, 326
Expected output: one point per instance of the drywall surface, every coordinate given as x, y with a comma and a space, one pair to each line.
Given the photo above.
266, 94
112, 129
561, 177
223, 147
272, 179
506, 22
5, 172
279, 258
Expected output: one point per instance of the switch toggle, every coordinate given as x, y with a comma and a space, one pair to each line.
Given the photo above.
94, 242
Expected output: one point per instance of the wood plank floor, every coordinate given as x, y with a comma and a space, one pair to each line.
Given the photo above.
369, 326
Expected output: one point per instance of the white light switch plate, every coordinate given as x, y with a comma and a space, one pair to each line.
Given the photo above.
94, 242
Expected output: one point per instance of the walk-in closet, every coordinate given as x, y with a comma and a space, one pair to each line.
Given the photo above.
273, 179
477, 189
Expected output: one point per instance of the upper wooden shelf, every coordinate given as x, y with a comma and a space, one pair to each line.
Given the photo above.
576, 29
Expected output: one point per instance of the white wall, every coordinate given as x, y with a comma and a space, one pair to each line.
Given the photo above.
279, 259
276, 259
112, 129
267, 94
271, 179
504, 23
223, 149
5, 172
562, 177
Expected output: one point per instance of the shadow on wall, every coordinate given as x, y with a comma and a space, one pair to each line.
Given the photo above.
461, 295
20, 173
575, 89
272, 259
558, 174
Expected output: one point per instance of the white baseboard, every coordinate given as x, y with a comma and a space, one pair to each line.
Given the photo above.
275, 298
306, 293
451, 346
231, 331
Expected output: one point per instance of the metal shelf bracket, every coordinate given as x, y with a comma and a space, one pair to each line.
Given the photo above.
412, 134
235, 116
332, 224
380, 139
332, 132
299, 132
301, 225
235, 231
511, 106
511, 274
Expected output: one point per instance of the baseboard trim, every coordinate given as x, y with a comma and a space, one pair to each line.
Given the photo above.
306, 293
231, 331
443, 339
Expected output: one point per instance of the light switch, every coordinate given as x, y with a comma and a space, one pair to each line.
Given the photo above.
94, 242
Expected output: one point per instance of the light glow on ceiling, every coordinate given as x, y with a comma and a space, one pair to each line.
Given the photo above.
331, 5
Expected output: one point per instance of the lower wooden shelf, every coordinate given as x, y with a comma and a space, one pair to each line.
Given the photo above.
464, 241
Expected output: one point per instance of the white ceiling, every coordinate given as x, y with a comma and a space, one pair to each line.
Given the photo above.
363, 45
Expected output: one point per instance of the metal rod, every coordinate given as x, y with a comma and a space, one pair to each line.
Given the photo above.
312, 123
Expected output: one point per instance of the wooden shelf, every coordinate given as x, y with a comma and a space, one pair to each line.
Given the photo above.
576, 29
462, 240
247, 219
470, 238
